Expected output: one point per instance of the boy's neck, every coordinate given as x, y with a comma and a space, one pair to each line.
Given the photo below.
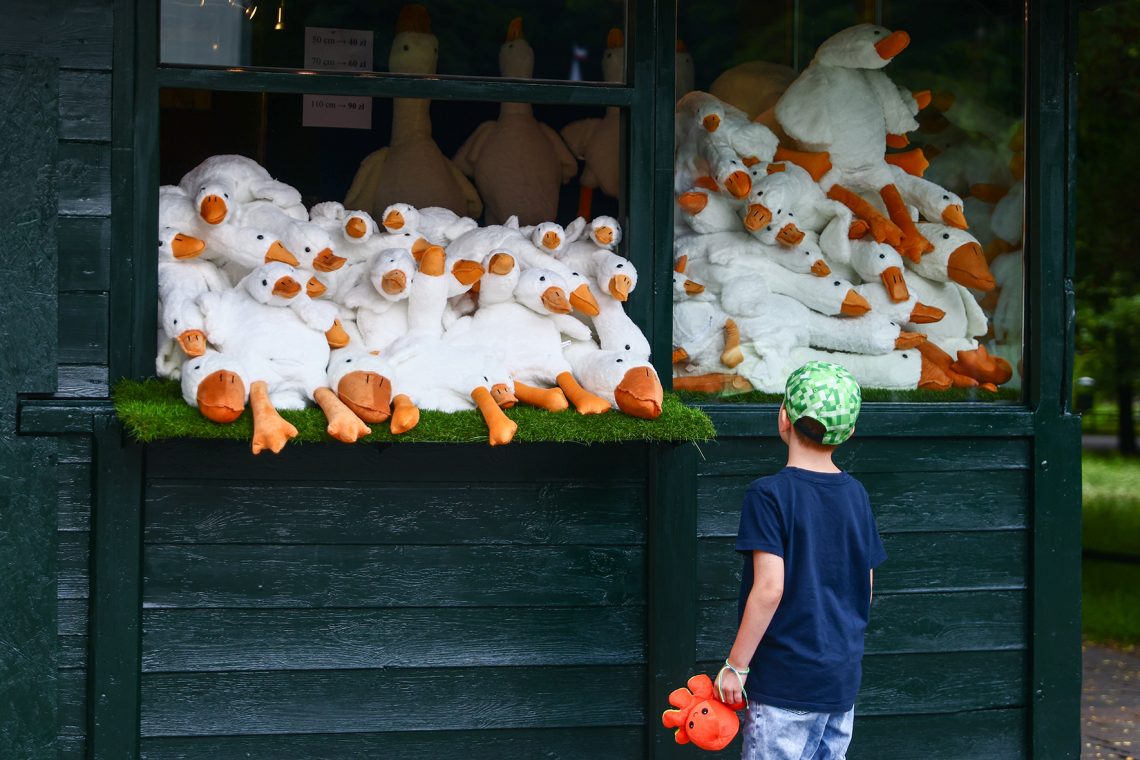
813, 460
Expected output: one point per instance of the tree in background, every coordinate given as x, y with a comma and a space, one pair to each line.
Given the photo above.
1108, 225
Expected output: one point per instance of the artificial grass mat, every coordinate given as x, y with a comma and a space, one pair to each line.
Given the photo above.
153, 410
869, 394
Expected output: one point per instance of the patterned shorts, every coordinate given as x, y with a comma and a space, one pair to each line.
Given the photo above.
776, 733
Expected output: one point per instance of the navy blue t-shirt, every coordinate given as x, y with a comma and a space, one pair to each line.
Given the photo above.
821, 524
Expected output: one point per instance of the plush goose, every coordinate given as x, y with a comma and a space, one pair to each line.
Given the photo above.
277, 284
439, 226
276, 356
899, 370
380, 302
957, 256
525, 335
220, 184
309, 242
628, 383
844, 104
412, 169
517, 162
182, 277
597, 142
238, 250
355, 234
785, 199
704, 211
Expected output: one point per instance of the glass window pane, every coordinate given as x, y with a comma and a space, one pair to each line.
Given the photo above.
862, 206
553, 41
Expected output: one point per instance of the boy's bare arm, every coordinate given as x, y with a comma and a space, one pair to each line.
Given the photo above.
763, 599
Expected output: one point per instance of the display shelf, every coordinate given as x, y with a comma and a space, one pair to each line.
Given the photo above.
153, 410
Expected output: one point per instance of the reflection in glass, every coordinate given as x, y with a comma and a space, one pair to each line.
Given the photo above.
569, 40
904, 178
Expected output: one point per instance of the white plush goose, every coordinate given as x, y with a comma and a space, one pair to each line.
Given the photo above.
220, 184
439, 226
412, 169
182, 277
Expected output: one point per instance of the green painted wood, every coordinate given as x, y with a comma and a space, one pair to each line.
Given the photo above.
74, 496
925, 420
58, 416
916, 562
975, 735
193, 512
84, 97
374, 700
84, 179
664, 21
29, 91
383, 85
83, 327
346, 576
907, 623
339, 639
930, 683
619, 743
407, 463
78, 34
866, 455
72, 748
73, 569
72, 717
933, 501
1056, 579
83, 381
116, 540
84, 253
672, 555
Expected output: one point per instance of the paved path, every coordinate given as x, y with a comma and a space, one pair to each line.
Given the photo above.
1110, 704
1095, 442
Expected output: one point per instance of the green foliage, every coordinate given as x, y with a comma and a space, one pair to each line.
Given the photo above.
1111, 504
153, 410
1110, 601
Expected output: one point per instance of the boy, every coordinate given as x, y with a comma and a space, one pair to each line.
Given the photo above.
810, 546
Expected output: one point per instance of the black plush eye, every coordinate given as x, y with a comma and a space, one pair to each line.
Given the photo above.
836, 283
626, 346
542, 279
308, 249
407, 234
768, 228
619, 266
904, 356
226, 196
733, 162
197, 366
790, 214
261, 237
945, 197
945, 235
882, 255
759, 193
619, 361
485, 379
780, 211
391, 261
176, 321
877, 33
348, 361
265, 282
574, 273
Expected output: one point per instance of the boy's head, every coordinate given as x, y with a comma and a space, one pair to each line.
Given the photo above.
822, 402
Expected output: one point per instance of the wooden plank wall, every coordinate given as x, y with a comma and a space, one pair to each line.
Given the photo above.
409, 601
946, 661
79, 35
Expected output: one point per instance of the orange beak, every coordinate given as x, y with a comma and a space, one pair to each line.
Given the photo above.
432, 261
680, 265
967, 266
693, 203
286, 287
604, 235
954, 217
367, 394
739, 184
922, 314
854, 305
758, 217
514, 29
314, 288
467, 272
551, 240
892, 45
501, 263
327, 261
193, 342
186, 247
923, 98
394, 220
502, 396
554, 299
213, 209
394, 282
620, 285
355, 227
895, 284
774, 168
419, 247
278, 252
711, 122
820, 268
221, 396
582, 299
790, 234
692, 288
639, 393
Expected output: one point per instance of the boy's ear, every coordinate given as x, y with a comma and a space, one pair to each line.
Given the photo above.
782, 419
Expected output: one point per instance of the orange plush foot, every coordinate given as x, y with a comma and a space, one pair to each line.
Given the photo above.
982, 366
732, 355
912, 244
368, 394
585, 201
909, 339
713, 382
270, 430
882, 228
932, 377
912, 162
639, 393
336, 336
680, 355
343, 425
405, 415
816, 164
938, 358
550, 399
692, 203
500, 428
584, 401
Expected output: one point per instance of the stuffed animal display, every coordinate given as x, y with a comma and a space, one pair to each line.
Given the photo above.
700, 717
372, 323
811, 239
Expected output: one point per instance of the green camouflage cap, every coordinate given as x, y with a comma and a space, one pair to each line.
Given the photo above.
825, 392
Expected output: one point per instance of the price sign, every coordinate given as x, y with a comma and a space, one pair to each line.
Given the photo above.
337, 50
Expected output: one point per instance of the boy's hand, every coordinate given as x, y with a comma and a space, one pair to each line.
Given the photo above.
730, 685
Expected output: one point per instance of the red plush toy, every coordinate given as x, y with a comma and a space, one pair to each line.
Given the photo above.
701, 718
